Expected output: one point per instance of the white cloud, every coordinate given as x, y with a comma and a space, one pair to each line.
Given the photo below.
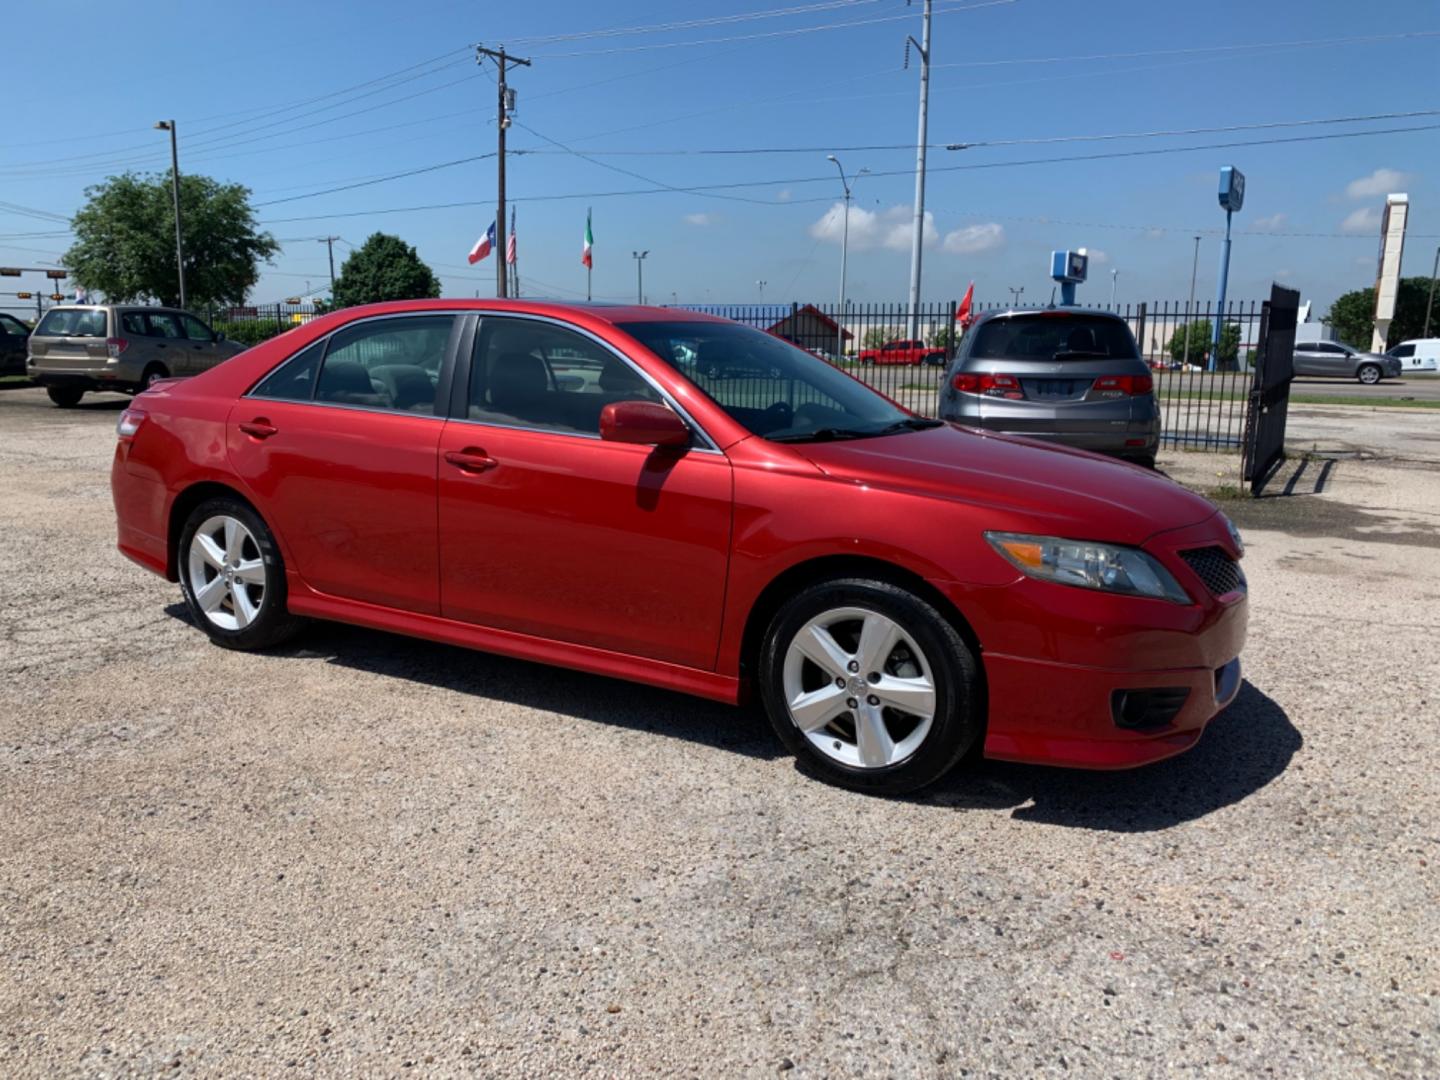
1097, 257
1364, 220
1267, 224
1379, 182
700, 220
974, 239
889, 228
784, 196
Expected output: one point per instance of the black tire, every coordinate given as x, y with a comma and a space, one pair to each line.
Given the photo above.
1369, 374
273, 624
958, 721
1145, 462
66, 397
153, 374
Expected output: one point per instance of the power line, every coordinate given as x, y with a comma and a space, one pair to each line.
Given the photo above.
694, 24
379, 179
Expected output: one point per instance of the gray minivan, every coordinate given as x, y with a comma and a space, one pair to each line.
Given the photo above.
1067, 375
116, 347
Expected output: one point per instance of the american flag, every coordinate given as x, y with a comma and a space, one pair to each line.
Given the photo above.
510, 244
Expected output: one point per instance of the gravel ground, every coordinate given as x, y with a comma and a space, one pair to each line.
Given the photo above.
365, 854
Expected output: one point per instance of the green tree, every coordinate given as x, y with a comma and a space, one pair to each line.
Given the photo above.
1352, 316
125, 241
946, 337
1201, 331
876, 336
384, 268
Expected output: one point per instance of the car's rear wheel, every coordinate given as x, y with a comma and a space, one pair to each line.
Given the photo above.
1369, 374
870, 686
66, 397
232, 576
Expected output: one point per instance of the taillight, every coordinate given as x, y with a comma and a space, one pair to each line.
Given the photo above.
128, 424
115, 346
1006, 386
1123, 385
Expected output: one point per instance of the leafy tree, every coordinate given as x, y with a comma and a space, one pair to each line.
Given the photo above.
125, 241
1201, 331
1352, 316
946, 337
876, 336
384, 268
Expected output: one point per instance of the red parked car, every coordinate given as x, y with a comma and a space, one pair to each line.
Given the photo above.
903, 351
676, 499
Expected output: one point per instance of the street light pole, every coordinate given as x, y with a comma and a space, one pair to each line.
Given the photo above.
169, 125
639, 257
1190, 307
761, 286
1015, 294
1114, 275
1429, 304
844, 253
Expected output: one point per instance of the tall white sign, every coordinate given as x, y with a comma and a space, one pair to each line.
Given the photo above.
1387, 276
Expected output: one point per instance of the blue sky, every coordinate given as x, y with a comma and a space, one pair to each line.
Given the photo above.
273, 99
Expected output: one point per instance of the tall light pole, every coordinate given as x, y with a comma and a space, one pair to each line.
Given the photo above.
1431, 302
917, 235
1114, 275
1015, 294
639, 275
844, 253
169, 125
1190, 307
761, 286
1232, 198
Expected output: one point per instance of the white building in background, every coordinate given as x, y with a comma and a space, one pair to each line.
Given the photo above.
1387, 275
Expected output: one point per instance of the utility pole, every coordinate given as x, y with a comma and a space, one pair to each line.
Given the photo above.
169, 125
506, 105
844, 254
1190, 307
917, 237
329, 242
1114, 275
639, 257
1429, 304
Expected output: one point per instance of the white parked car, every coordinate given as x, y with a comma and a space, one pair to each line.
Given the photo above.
1417, 355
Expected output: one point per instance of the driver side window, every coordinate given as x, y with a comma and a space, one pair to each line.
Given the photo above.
532, 374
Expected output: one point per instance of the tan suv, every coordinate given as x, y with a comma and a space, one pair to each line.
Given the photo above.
114, 347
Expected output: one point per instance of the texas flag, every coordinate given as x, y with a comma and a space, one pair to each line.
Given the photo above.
484, 245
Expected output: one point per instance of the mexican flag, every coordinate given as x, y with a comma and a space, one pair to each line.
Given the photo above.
586, 258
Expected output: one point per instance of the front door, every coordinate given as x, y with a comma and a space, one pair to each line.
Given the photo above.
200, 343
337, 447
166, 344
545, 529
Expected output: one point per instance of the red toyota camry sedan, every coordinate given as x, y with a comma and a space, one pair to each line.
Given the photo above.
679, 500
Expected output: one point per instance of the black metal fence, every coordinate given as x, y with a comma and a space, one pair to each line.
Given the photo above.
1202, 405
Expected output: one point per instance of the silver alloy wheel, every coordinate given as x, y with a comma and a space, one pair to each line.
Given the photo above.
859, 687
1369, 374
227, 574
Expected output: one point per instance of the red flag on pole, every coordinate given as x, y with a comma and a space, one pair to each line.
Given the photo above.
964, 314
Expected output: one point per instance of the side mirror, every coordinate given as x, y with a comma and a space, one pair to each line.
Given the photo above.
645, 423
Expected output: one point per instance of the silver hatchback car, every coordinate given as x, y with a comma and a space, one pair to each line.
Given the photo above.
117, 347
1337, 360
1066, 375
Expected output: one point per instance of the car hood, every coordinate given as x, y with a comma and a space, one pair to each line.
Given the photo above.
1024, 484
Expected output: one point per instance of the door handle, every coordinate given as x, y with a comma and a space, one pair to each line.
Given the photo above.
260, 428
470, 460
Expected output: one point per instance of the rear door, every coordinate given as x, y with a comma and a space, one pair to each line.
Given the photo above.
338, 447
165, 343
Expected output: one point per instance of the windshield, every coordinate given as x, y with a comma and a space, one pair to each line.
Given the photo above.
1054, 335
769, 386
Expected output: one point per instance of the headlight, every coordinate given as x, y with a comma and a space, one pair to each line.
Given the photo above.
1235, 536
1104, 567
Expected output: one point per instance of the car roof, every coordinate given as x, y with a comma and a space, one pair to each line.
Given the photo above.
1051, 311
614, 313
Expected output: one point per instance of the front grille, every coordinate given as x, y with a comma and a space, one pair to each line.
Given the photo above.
1213, 565
1147, 708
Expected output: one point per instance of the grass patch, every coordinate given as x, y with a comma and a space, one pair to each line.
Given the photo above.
1309, 399
14, 380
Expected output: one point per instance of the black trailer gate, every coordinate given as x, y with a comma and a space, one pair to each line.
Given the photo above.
1263, 445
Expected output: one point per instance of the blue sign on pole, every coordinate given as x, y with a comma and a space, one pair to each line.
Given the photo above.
1232, 198
1069, 268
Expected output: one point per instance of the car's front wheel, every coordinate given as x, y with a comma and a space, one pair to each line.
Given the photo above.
870, 686
232, 576
1369, 374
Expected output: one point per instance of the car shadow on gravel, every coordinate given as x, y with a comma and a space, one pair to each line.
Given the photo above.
1243, 749
534, 686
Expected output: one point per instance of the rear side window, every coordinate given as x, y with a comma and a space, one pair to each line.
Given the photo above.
386, 363
72, 322
133, 322
1046, 336
293, 380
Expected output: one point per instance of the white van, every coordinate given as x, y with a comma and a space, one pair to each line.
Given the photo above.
1417, 355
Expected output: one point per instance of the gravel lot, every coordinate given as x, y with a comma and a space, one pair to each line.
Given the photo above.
366, 854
